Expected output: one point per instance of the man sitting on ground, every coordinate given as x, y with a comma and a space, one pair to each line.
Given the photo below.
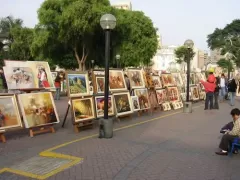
229, 136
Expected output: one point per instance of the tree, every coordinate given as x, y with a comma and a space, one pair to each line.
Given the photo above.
182, 54
225, 64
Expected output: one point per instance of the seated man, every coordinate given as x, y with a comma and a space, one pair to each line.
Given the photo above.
229, 136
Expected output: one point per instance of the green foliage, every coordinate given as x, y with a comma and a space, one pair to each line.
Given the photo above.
182, 54
225, 64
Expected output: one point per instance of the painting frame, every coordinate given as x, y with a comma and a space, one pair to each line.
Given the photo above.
157, 81
167, 79
130, 76
173, 94
195, 93
144, 98
162, 95
86, 82
112, 106
120, 79
129, 111
96, 84
135, 99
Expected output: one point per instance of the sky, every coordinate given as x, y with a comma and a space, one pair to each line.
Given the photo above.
177, 20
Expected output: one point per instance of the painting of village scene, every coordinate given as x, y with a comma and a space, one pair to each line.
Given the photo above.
173, 94
99, 101
100, 83
156, 81
78, 84
19, 77
9, 113
116, 80
83, 109
167, 80
161, 95
122, 103
143, 98
38, 109
136, 78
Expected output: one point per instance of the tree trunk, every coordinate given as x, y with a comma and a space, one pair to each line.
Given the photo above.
81, 61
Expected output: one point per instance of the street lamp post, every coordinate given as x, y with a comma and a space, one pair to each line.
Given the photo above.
92, 61
118, 57
108, 23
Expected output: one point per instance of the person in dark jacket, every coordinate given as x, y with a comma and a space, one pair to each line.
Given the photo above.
232, 87
216, 93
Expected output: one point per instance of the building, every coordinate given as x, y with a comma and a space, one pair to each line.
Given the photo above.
201, 59
215, 55
127, 5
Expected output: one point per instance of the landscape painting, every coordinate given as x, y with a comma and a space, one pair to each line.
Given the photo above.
99, 102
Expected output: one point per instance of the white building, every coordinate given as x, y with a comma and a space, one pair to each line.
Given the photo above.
127, 5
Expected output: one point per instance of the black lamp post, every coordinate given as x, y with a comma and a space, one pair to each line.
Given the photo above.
189, 45
108, 23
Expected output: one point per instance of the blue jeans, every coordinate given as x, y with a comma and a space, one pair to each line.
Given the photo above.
222, 93
57, 93
232, 98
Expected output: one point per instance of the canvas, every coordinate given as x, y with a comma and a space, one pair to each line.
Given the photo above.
9, 113
99, 102
77, 84
173, 94
122, 103
178, 79
194, 92
148, 80
100, 84
136, 78
157, 82
135, 103
83, 109
19, 78
167, 80
38, 109
143, 98
161, 95
116, 80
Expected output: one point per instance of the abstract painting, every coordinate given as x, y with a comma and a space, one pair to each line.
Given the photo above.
167, 80
136, 78
78, 84
161, 95
9, 113
135, 103
83, 109
122, 103
99, 102
143, 98
38, 109
116, 80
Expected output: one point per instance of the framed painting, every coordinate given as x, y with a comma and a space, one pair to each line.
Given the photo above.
184, 78
136, 78
77, 84
135, 103
167, 80
143, 98
54, 75
15, 63
99, 103
148, 80
192, 79
82, 109
9, 113
116, 80
156, 81
173, 94
178, 79
38, 109
195, 93
99, 84
19, 78
122, 103
161, 95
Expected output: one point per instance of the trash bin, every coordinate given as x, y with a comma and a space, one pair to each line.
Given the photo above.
187, 107
106, 128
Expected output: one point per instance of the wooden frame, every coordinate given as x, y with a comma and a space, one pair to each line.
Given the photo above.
118, 99
135, 103
82, 77
167, 79
143, 98
117, 81
136, 75
35, 105
84, 117
15, 110
110, 111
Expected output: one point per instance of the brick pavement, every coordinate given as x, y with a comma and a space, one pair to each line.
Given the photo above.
179, 147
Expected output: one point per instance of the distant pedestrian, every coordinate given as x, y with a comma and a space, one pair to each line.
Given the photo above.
216, 93
209, 87
57, 86
232, 88
223, 83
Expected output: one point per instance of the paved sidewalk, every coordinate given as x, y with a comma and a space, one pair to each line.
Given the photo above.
173, 147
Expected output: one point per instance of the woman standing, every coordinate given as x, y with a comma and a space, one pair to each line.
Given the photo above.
232, 87
44, 79
57, 86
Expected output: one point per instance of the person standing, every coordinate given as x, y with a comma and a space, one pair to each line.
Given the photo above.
209, 89
3, 82
232, 87
57, 86
222, 87
216, 93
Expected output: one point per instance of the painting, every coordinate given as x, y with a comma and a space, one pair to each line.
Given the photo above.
9, 113
194, 92
83, 109
100, 84
99, 102
166, 106
184, 78
116, 80
173, 94
38, 109
156, 81
135, 103
13, 63
192, 79
78, 84
143, 98
54, 75
178, 79
19, 78
122, 103
148, 79
167, 80
161, 95
136, 78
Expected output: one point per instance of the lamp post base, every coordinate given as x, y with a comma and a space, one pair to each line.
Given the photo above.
106, 128
187, 107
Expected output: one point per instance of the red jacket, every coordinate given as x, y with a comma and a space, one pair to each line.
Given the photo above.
209, 87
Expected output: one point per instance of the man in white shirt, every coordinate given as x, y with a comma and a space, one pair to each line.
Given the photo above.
222, 87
